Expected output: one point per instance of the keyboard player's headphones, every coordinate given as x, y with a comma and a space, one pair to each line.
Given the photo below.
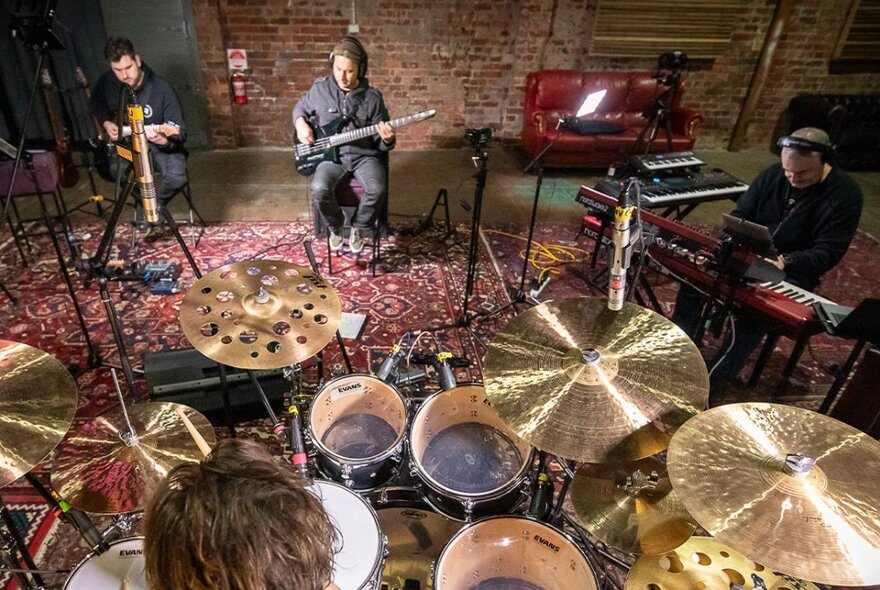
825, 150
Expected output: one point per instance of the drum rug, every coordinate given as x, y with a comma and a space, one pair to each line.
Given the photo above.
420, 283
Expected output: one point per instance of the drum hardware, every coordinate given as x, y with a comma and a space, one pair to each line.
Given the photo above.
111, 464
571, 378
14, 553
122, 566
313, 263
804, 481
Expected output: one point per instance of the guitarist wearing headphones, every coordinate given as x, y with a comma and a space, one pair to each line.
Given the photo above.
811, 209
163, 114
340, 102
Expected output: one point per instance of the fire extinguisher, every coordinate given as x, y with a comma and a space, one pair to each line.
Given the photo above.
239, 91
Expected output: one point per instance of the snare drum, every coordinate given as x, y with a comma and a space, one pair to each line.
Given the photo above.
360, 547
512, 553
471, 463
415, 535
121, 566
357, 424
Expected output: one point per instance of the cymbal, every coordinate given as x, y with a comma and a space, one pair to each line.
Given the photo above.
578, 380
704, 562
737, 470
631, 506
37, 404
97, 471
260, 314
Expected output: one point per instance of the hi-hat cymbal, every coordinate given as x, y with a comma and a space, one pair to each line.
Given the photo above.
578, 380
789, 487
37, 403
704, 562
99, 468
631, 506
260, 314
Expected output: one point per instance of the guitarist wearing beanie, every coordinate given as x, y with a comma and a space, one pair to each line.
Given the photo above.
341, 102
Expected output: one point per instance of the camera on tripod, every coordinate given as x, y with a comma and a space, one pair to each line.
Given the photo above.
669, 67
478, 138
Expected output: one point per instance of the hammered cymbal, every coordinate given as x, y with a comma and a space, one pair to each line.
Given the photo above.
37, 404
745, 472
580, 381
260, 314
97, 471
631, 506
706, 563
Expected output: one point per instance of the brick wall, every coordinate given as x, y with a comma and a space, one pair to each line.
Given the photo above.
469, 59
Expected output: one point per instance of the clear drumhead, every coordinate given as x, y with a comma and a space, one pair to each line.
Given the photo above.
121, 566
360, 546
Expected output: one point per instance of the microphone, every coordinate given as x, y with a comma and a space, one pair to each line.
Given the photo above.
140, 158
620, 254
445, 376
389, 365
299, 458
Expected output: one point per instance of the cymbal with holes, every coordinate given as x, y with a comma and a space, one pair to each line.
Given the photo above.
631, 506
792, 488
578, 380
260, 314
704, 562
37, 404
101, 468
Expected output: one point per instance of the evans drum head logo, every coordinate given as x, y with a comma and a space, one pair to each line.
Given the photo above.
547, 543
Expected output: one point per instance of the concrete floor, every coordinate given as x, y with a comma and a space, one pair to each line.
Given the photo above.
262, 184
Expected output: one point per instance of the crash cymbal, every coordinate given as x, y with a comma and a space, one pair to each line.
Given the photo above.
96, 470
706, 563
789, 487
37, 403
577, 380
631, 506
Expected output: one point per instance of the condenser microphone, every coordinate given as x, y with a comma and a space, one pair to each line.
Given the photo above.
300, 458
445, 376
621, 252
389, 365
140, 158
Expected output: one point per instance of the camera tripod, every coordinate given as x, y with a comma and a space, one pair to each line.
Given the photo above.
657, 113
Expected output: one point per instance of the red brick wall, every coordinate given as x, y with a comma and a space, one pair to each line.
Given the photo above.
468, 59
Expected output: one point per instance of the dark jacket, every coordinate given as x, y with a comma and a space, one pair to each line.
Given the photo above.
326, 102
156, 95
819, 221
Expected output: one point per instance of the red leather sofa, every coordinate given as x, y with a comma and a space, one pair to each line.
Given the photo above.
553, 94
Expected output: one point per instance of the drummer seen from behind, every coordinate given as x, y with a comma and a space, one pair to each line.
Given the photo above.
239, 520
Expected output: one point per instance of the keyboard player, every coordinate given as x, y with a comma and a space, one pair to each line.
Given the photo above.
812, 210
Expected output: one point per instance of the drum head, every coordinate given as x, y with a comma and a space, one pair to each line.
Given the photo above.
360, 546
121, 566
461, 446
513, 553
357, 417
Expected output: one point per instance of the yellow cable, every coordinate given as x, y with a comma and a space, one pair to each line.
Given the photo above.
546, 259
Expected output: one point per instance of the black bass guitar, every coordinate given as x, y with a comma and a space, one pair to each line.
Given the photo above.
308, 157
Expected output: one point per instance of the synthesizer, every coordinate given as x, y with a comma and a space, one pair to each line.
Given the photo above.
688, 254
672, 161
686, 189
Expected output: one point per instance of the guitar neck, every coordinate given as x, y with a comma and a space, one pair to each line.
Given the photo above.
355, 134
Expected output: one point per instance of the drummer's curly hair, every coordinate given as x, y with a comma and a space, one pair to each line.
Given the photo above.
240, 520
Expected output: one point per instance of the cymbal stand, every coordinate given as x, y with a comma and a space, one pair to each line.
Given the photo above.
313, 262
78, 519
15, 553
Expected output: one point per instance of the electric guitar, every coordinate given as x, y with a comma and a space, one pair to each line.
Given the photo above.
68, 175
308, 157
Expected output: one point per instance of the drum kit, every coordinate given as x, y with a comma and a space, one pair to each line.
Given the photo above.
599, 414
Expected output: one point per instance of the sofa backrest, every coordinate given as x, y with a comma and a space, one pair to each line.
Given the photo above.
562, 92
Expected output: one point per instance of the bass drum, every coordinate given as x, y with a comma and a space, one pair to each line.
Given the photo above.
121, 566
357, 424
512, 553
415, 536
471, 463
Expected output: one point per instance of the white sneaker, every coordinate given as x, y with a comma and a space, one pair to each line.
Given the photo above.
355, 241
335, 241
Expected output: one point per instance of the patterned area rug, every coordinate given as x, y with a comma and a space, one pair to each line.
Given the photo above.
420, 284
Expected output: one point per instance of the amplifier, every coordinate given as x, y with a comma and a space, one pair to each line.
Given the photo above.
188, 377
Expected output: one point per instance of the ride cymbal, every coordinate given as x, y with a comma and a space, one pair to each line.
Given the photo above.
631, 506
37, 404
260, 314
100, 468
789, 487
578, 380
706, 563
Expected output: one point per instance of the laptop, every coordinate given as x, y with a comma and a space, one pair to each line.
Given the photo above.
861, 322
754, 236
